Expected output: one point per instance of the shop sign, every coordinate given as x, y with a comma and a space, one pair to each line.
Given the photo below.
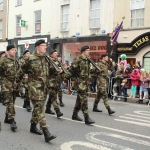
136, 45
30, 41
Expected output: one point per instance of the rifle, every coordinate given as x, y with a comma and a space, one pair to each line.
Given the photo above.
92, 62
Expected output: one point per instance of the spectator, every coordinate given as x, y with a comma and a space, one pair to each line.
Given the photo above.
144, 85
127, 84
117, 85
135, 81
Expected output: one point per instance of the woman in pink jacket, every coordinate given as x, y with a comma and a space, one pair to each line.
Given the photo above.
135, 81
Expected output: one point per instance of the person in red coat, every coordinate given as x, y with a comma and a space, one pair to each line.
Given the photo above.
135, 81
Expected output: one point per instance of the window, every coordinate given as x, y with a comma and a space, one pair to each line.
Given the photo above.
1, 4
95, 14
18, 28
19, 2
146, 65
0, 29
65, 18
137, 13
38, 22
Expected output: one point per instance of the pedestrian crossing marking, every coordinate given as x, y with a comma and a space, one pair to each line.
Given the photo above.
136, 118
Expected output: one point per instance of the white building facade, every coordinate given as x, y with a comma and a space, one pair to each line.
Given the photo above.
60, 22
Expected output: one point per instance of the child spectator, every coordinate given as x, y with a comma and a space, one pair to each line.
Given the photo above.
144, 85
126, 83
135, 81
123, 61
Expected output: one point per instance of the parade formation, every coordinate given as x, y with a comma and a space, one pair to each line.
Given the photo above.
42, 74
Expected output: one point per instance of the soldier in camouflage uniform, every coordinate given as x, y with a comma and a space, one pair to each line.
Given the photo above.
37, 68
2, 56
54, 85
80, 71
26, 104
8, 71
101, 84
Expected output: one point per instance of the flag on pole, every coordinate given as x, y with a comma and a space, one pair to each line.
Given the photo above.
116, 33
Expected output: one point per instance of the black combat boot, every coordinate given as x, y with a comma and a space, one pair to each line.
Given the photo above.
76, 117
61, 103
95, 109
28, 107
13, 125
48, 136
34, 129
88, 120
24, 104
7, 120
59, 114
49, 111
110, 111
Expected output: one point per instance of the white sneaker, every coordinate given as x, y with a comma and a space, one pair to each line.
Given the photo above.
115, 94
119, 99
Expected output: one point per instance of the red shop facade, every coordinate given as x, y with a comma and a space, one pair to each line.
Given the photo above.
69, 48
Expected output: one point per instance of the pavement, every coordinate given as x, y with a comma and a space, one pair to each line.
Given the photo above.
127, 129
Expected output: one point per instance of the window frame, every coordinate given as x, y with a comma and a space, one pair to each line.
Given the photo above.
135, 10
1, 29
1, 3
38, 21
93, 18
62, 15
18, 25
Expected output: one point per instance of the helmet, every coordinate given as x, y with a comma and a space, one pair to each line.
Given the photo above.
123, 56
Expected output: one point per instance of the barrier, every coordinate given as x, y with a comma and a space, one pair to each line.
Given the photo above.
111, 86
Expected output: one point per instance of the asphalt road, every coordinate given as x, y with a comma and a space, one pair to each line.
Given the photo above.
127, 129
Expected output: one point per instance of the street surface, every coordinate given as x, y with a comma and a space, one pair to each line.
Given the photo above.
127, 129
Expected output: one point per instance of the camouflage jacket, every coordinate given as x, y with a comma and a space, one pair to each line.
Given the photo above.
80, 72
119, 77
55, 77
8, 72
37, 68
103, 74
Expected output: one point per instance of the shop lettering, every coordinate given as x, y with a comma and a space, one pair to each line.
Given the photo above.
141, 41
97, 47
124, 49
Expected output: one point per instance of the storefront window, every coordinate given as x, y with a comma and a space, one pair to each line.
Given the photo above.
21, 49
71, 50
146, 64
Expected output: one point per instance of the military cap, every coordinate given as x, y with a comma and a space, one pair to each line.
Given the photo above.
37, 43
2, 52
104, 55
52, 51
25, 51
9, 47
84, 48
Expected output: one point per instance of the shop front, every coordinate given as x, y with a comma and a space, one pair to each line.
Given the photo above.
69, 48
137, 50
23, 44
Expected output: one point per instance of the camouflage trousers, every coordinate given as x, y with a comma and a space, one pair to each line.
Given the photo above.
101, 94
10, 98
20, 88
26, 95
38, 114
52, 100
82, 103
60, 93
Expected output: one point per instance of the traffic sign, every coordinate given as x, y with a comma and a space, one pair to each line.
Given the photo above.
22, 23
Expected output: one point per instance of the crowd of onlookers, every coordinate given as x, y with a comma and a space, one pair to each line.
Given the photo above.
125, 82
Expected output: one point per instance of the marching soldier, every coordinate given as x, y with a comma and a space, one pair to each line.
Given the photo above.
101, 84
26, 104
37, 68
2, 56
80, 71
54, 85
8, 71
